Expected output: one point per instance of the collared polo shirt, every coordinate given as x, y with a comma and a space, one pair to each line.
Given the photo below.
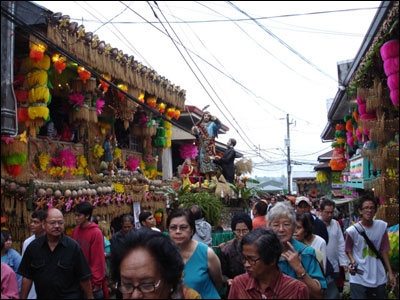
308, 260
284, 287
57, 274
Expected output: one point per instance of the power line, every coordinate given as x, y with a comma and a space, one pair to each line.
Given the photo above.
243, 19
283, 43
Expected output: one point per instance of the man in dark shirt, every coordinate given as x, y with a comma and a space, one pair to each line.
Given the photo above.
227, 161
55, 263
303, 205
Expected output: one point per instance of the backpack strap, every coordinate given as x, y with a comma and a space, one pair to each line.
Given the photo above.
360, 229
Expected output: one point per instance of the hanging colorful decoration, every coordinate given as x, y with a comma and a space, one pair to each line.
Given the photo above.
152, 102
59, 62
81, 161
141, 98
322, 177
104, 84
124, 88
158, 216
42, 160
98, 151
14, 153
338, 161
84, 74
99, 106
36, 52
161, 108
390, 55
177, 114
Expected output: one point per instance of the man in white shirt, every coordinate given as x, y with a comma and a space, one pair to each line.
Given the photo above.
335, 249
146, 219
37, 228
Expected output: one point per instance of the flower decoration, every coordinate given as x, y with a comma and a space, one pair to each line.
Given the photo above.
81, 161
98, 151
104, 84
132, 163
188, 151
144, 120
64, 158
99, 105
84, 74
59, 62
149, 158
7, 139
22, 137
76, 99
43, 160
118, 188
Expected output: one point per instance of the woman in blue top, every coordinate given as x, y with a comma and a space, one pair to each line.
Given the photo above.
202, 266
297, 260
11, 257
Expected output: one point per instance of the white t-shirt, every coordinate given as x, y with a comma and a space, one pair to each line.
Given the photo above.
32, 292
335, 248
374, 271
319, 244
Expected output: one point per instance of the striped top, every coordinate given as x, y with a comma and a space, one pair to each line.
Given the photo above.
284, 287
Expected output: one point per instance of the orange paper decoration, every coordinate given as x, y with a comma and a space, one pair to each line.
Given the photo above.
151, 102
83, 74
161, 108
59, 62
124, 88
37, 52
104, 84
177, 114
141, 98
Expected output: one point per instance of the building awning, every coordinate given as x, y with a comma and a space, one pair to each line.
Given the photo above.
305, 181
179, 134
322, 166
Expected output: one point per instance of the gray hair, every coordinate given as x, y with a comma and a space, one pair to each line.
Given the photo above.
279, 210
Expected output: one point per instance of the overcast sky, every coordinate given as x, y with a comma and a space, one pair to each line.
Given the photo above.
257, 70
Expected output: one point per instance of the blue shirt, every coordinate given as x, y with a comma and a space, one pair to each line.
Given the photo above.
13, 260
308, 260
196, 274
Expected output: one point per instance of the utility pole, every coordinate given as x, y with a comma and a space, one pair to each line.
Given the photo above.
287, 143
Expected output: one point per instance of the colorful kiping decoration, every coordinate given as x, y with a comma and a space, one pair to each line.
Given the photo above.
161, 108
390, 55
104, 84
338, 161
124, 88
36, 51
152, 102
177, 114
141, 97
59, 62
84, 74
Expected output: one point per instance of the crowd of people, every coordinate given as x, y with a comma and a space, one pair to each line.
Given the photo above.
283, 250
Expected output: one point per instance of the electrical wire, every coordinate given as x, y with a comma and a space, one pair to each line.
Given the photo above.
284, 43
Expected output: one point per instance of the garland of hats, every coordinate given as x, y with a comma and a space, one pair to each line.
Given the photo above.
36, 68
338, 161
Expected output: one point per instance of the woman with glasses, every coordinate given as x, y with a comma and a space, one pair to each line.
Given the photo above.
231, 261
202, 266
260, 251
297, 260
147, 264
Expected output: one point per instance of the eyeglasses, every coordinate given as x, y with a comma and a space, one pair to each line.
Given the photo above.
144, 288
284, 225
53, 223
241, 231
181, 228
251, 261
369, 208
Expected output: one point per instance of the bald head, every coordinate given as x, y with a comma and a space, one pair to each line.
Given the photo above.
54, 225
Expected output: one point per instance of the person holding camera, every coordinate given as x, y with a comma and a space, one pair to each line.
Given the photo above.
368, 276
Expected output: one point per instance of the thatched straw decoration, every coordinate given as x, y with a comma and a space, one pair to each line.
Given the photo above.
15, 147
114, 68
81, 114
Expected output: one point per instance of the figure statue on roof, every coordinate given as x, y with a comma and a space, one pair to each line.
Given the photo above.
205, 131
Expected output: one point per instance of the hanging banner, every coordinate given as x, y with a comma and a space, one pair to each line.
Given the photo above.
357, 168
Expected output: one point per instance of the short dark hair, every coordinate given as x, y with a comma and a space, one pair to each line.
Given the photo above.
307, 221
127, 218
39, 214
327, 202
241, 218
196, 212
162, 248
233, 141
261, 208
6, 234
143, 216
367, 197
180, 212
84, 208
268, 245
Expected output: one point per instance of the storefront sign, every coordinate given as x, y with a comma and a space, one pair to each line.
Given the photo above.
357, 169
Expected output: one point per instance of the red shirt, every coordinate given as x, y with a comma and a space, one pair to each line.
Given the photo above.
284, 287
260, 221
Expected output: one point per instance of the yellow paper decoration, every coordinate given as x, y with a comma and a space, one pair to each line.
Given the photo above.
40, 93
37, 77
167, 125
43, 64
44, 160
81, 161
38, 112
117, 153
98, 151
118, 188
